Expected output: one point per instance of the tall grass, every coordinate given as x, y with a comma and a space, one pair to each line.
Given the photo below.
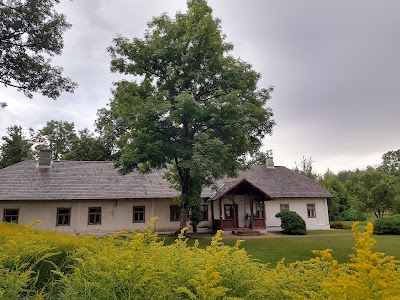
47, 265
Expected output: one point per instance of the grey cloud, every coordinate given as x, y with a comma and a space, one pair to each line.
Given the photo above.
334, 64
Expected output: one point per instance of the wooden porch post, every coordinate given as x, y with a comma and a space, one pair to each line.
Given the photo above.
265, 214
234, 212
251, 213
212, 210
220, 214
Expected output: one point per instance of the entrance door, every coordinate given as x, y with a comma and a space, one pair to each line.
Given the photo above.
231, 215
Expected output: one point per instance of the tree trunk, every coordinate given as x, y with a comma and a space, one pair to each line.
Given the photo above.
184, 199
184, 216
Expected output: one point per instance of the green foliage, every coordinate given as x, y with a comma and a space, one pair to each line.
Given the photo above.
340, 202
38, 264
15, 147
110, 127
88, 148
374, 190
31, 33
31, 260
58, 136
391, 162
291, 222
387, 225
259, 158
306, 167
339, 225
198, 109
352, 214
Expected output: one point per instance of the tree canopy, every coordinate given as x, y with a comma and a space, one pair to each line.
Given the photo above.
306, 168
87, 147
57, 136
391, 162
15, 147
30, 34
375, 191
195, 110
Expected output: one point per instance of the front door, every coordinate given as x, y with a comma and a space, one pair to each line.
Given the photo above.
231, 215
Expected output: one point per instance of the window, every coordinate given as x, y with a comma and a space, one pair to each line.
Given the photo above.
63, 216
94, 216
311, 210
138, 214
284, 207
174, 213
259, 211
11, 215
229, 212
204, 212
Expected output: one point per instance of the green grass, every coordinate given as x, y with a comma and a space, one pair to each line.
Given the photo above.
293, 248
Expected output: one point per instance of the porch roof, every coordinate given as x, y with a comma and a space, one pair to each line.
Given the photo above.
231, 186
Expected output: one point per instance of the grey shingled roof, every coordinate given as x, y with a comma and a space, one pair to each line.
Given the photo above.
68, 180
278, 182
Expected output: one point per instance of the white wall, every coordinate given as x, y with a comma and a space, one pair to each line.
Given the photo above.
299, 205
116, 215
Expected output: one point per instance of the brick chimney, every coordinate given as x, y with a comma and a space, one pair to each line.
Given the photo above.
270, 162
45, 161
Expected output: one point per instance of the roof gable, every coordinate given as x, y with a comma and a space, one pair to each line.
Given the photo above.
228, 187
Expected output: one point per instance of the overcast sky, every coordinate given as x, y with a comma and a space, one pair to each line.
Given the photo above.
335, 66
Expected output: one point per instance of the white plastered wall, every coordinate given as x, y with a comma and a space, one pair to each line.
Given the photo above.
116, 215
299, 205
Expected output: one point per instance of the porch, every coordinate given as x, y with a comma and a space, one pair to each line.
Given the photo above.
238, 205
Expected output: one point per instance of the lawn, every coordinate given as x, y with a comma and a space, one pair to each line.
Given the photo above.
293, 248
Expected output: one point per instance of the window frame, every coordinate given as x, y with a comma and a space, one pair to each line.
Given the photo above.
8, 215
311, 211
94, 214
139, 213
63, 215
284, 205
174, 213
204, 212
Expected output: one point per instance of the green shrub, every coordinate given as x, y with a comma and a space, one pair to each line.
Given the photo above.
291, 222
390, 225
339, 225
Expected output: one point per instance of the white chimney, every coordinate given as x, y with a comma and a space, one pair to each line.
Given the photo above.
45, 161
270, 162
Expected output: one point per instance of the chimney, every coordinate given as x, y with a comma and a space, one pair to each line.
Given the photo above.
45, 160
270, 162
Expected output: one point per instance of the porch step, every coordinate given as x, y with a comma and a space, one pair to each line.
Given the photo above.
248, 232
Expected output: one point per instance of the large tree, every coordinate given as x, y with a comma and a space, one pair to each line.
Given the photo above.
87, 147
195, 109
15, 147
375, 191
306, 167
58, 136
340, 204
30, 34
391, 162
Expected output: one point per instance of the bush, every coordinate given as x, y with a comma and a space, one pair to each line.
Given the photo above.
390, 225
291, 222
339, 225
